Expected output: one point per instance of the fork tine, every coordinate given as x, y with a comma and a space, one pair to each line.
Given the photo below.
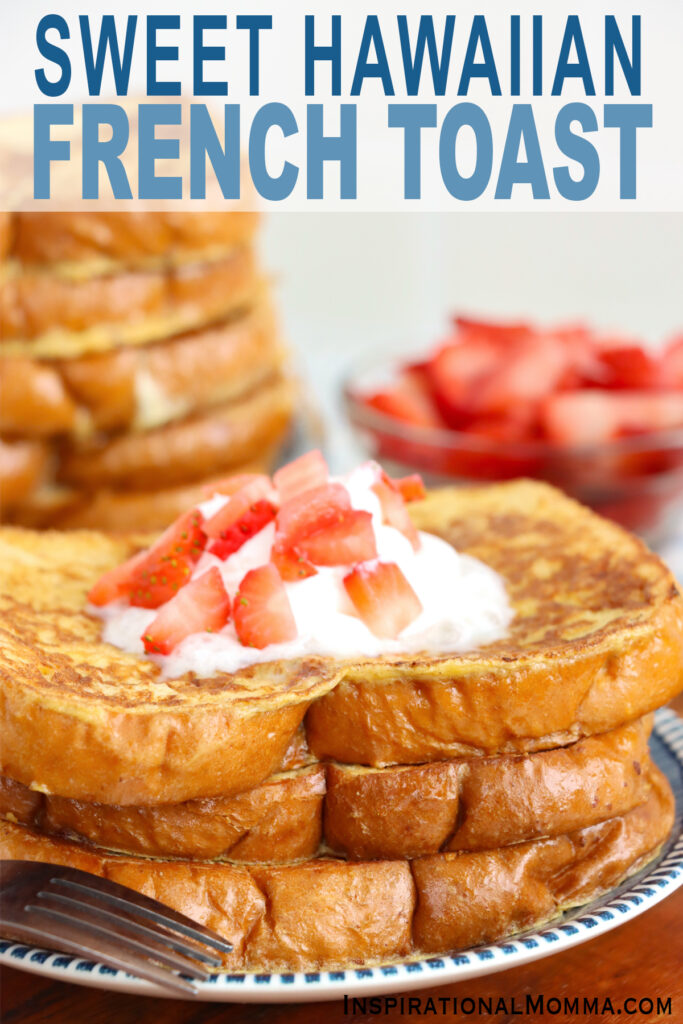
187, 947
137, 904
151, 949
81, 944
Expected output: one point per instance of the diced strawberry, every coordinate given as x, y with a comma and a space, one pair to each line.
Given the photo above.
526, 372
289, 562
252, 522
383, 598
583, 351
202, 605
456, 372
494, 330
117, 582
303, 511
342, 538
239, 506
308, 471
671, 365
231, 484
411, 487
593, 416
262, 611
394, 511
629, 366
169, 562
409, 399
319, 526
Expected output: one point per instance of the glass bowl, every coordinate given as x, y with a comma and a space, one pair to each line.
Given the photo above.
636, 481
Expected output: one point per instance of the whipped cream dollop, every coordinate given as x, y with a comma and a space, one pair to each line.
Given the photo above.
464, 602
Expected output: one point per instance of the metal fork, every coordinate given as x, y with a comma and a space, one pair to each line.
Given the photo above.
80, 913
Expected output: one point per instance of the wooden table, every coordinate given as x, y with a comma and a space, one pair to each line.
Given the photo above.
642, 959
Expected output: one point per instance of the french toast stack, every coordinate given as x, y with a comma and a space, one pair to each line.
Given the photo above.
321, 813
139, 359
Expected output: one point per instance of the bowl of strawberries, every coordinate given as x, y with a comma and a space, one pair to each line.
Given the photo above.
600, 416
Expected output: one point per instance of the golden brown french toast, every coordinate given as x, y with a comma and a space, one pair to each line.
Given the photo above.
202, 445
369, 814
127, 238
138, 387
329, 913
122, 511
46, 316
597, 641
23, 467
82, 719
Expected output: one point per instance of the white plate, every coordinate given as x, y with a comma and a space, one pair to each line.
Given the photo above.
638, 894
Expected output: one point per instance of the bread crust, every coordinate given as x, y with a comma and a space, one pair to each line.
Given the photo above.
366, 814
124, 237
596, 614
124, 512
134, 738
83, 720
138, 388
44, 315
195, 448
483, 803
23, 466
35, 402
276, 822
472, 898
328, 914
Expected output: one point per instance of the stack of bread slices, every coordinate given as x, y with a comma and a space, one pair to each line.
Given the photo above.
323, 814
139, 358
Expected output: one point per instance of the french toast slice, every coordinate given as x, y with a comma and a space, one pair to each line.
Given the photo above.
203, 444
369, 814
139, 387
122, 511
596, 641
83, 719
330, 913
127, 238
23, 468
45, 315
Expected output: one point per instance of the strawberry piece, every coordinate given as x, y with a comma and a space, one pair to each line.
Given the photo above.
239, 506
592, 416
493, 329
383, 598
320, 526
252, 522
202, 605
117, 582
169, 562
411, 488
456, 372
671, 366
341, 538
298, 515
303, 474
526, 372
263, 614
394, 511
629, 366
409, 399
290, 563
